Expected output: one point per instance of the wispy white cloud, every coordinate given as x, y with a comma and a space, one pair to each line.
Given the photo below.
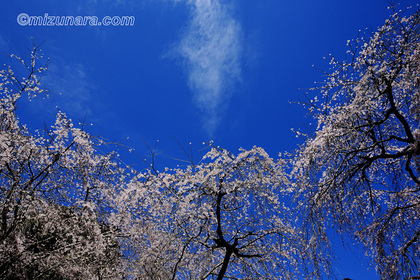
4, 44
71, 81
211, 49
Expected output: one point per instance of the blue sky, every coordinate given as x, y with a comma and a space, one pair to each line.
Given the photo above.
194, 70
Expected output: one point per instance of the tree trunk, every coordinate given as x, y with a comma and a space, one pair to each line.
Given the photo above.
225, 264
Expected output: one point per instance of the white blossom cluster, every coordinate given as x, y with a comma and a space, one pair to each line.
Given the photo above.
360, 171
52, 182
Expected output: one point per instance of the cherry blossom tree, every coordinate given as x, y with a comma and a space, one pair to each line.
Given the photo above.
56, 242
53, 192
69, 210
360, 170
224, 218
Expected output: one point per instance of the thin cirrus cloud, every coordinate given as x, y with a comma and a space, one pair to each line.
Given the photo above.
210, 49
71, 84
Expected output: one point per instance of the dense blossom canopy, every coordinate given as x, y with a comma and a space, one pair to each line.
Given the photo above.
360, 172
52, 186
224, 217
